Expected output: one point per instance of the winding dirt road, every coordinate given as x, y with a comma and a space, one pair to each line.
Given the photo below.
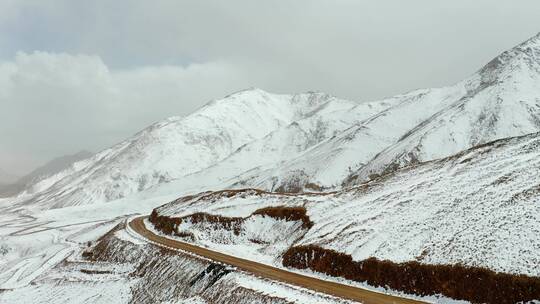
262, 270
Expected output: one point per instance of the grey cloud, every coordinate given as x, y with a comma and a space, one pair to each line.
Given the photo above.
60, 103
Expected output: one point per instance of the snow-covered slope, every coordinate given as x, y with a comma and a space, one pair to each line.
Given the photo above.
480, 207
120, 268
501, 100
285, 143
328, 163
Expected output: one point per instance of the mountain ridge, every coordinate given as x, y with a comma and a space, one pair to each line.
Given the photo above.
278, 141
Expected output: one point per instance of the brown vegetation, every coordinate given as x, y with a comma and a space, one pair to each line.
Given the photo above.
257, 241
313, 187
287, 213
184, 234
164, 224
478, 285
227, 223
168, 225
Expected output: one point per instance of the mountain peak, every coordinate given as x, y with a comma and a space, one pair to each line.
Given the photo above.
533, 41
530, 48
523, 58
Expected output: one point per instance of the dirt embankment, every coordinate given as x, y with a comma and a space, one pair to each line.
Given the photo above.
478, 285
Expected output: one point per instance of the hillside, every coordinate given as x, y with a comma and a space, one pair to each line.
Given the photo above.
8, 185
442, 211
478, 208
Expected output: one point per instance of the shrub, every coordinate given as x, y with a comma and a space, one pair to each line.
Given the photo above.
164, 224
475, 284
168, 225
287, 213
227, 223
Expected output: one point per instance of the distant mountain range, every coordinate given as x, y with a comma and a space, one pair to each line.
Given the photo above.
15, 185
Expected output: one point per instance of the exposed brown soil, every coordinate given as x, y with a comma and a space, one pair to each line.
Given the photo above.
269, 272
478, 285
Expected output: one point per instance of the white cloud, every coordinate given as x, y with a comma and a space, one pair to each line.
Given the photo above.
60, 103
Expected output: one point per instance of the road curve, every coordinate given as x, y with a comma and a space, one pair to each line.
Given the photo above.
262, 270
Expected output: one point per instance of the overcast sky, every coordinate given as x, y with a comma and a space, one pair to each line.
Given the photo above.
86, 74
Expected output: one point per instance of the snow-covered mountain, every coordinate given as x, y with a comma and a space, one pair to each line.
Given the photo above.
479, 207
308, 141
242, 124
501, 100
